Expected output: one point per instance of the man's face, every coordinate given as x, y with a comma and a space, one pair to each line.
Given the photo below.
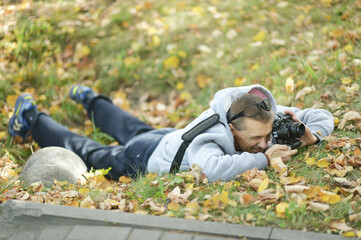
254, 137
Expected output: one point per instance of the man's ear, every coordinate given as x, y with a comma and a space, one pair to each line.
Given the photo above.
233, 129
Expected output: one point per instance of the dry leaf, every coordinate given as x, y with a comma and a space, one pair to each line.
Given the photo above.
124, 179
292, 180
290, 85
352, 115
319, 206
340, 226
263, 185
281, 209
355, 217
87, 203
176, 196
278, 165
295, 188
305, 91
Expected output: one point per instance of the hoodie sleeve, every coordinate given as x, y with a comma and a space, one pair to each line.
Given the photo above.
216, 164
320, 121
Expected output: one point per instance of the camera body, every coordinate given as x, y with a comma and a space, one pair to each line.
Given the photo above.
286, 131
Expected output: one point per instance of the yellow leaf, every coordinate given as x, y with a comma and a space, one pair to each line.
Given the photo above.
11, 99
259, 36
191, 208
156, 40
171, 62
84, 191
281, 209
310, 161
2, 134
179, 86
322, 163
346, 80
358, 233
152, 30
174, 206
80, 52
263, 185
55, 109
220, 198
348, 48
290, 85
124, 179
203, 81
349, 234
239, 81
326, 3
182, 54
199, 10
292, 180
328, 197
254, 67
186, 96
312, 191
336, 121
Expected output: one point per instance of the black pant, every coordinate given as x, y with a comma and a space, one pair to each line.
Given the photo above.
137, 139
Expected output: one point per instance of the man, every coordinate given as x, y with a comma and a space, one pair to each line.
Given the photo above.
238, 141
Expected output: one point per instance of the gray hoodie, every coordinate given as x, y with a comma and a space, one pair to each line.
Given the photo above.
214, 150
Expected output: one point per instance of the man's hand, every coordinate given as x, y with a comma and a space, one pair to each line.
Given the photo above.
308, 138
282, 151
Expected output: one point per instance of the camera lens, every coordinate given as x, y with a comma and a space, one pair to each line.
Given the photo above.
297, 130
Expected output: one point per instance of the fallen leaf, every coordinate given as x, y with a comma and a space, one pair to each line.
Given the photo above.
290, 85
171, 62
259, 36
292, 180
281, 209
310, 161
328, 197
295, 188
173, 206
87, 203
124, 179
305, 91
352, 115
319, 206
176, 196
355, 217
191, 208
263, 185
323, 163
340, 226
278, 165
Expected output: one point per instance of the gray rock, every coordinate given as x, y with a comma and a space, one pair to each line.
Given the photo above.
52, 163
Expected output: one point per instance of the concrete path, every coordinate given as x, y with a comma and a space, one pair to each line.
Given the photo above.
29, 221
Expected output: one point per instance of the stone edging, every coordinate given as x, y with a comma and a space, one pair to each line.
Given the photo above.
20, 212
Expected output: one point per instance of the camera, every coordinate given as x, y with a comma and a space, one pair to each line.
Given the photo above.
286, 131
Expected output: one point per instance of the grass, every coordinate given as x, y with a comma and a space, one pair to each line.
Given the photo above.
179, 53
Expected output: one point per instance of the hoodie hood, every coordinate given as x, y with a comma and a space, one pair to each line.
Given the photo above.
224, 98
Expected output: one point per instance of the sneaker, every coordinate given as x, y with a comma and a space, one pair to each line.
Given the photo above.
82, 94
18, 126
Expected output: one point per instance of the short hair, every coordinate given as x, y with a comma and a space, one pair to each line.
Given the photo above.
242, 102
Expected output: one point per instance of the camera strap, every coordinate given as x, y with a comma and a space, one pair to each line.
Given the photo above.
188, 138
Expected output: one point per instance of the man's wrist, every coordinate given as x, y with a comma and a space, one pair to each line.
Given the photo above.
316, 139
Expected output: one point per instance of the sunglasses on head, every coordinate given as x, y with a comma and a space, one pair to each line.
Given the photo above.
252, 110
